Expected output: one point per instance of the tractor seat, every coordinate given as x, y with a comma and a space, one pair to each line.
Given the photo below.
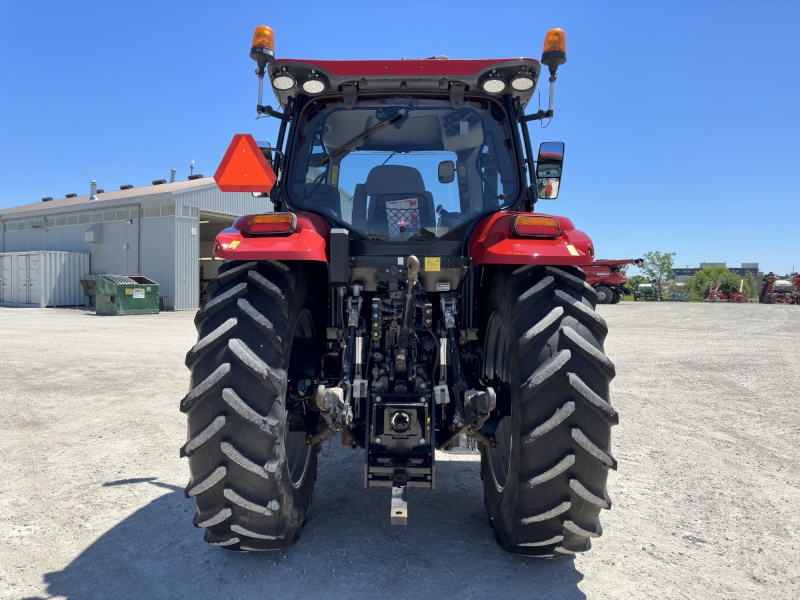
384, 184
322, 198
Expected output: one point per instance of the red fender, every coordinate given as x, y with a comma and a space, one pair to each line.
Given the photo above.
494, 242
307, 242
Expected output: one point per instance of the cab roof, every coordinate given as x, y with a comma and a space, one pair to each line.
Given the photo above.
416, 75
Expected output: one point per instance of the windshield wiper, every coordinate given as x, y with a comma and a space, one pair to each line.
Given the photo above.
362, 136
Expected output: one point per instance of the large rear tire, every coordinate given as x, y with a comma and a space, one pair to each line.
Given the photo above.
252, 475
545, 483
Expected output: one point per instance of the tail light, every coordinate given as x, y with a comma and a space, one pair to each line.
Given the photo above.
536, 226
275, 223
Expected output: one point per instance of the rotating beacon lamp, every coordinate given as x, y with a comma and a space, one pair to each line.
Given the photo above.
263, 52
554, 54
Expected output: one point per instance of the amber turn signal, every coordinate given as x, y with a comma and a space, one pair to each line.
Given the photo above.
272, 223
536, 226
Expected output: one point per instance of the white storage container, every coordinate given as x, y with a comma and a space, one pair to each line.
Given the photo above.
43, 278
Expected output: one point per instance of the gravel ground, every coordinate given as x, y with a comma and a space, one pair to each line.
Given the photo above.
705, 500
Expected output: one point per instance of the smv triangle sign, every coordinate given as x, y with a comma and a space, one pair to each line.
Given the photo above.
244, 168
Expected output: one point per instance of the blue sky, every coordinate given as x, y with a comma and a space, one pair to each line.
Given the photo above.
680, 118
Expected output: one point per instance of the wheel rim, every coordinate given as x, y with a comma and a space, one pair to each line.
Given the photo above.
496, 364
298, 453
601, 295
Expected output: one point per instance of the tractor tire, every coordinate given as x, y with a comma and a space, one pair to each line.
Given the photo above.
252, 475
545, 481
616, 297
604, 294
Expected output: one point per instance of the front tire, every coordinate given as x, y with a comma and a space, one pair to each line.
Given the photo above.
604, 294
252, 475
545, 482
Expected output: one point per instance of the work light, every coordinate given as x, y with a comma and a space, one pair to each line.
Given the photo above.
313, 85
522, 82
283, 81
493, 85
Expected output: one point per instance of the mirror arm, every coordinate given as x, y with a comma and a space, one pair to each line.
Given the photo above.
268, 111
537, 116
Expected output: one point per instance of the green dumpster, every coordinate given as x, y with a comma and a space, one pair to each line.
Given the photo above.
125, 295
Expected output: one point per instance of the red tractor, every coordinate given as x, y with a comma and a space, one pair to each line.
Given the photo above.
404, 292
608, 278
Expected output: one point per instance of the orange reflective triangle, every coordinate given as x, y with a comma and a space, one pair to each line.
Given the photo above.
244, 168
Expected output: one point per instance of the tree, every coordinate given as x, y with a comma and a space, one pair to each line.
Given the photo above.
658, 269
632, 285
750, 285
708, 278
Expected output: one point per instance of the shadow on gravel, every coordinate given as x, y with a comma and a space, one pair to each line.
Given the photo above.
347, 549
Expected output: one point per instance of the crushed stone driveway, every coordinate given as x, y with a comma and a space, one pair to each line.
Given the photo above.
705, 500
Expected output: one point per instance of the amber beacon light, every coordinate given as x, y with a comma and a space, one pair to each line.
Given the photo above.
555, 49
263, 48
262, 51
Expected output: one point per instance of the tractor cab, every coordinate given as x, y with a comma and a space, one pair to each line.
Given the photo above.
405, 151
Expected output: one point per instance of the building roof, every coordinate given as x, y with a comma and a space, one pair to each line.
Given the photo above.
78, 201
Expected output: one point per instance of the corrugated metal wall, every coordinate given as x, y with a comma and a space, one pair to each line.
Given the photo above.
43, 279
108, 256
187, 264
61, 274
158, 245
229, 203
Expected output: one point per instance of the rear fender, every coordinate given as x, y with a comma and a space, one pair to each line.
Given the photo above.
494, 242
309, 241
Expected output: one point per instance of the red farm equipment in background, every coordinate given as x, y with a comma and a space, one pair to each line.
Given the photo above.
740, 296
608, 278
775, 290
715, 295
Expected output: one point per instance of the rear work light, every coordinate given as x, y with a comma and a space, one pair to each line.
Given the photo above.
276, 223
530, 226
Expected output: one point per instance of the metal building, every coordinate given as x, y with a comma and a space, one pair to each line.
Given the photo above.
164, 232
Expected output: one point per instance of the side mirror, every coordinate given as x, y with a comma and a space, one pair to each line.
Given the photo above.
447, 171
548, 169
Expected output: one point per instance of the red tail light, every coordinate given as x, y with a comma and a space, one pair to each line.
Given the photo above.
536, 226
276, 223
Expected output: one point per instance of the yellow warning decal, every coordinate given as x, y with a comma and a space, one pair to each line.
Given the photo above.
129, 291
432, 263
335, 176
572, 250
233, 245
